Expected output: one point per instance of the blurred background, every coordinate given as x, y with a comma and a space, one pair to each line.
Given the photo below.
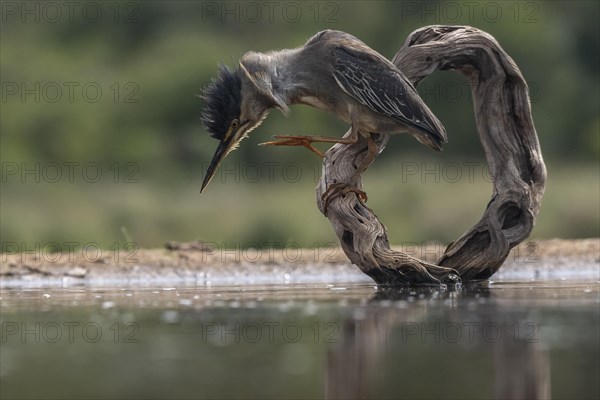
102, 141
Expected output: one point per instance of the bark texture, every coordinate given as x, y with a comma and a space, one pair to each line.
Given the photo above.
506, 130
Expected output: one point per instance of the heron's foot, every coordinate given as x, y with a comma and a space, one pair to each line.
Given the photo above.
340, 189
305, 141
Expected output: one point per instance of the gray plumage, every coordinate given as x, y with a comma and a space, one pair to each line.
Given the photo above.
333, 71
386, 91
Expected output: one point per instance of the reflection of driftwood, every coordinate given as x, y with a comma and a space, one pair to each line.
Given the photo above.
506, 130
521, 371
351, 364
373, 343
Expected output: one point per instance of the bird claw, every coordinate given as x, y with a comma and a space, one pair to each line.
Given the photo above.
293, 141
340, 189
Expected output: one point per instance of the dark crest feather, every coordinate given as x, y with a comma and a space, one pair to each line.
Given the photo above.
223, 97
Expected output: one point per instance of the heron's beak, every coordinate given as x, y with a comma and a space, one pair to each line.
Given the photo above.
231, 142
225, 147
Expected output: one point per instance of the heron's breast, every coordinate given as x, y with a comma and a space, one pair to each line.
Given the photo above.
314, 102
371, 121
326, 104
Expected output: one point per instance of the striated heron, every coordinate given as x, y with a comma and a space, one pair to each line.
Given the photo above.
333, 71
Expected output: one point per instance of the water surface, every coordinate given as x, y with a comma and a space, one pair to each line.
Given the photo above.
491, 340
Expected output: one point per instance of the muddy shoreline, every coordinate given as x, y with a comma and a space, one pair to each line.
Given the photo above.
199, 264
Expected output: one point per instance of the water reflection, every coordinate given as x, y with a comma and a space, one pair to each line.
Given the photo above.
505, 340
521, 366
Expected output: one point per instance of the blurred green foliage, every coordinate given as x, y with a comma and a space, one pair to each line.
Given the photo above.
119, 90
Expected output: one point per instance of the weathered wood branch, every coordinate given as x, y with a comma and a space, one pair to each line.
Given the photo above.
507, 133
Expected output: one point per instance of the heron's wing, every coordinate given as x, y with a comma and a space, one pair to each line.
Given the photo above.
377, 84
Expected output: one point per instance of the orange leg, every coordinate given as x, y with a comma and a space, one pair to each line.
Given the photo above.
339, 189
307, 141
369, 157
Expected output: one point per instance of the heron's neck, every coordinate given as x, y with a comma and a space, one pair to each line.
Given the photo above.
291, 76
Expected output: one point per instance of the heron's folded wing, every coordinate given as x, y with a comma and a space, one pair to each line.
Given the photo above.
376, 84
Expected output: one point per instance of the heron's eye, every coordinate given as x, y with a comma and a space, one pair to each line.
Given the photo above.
235, 123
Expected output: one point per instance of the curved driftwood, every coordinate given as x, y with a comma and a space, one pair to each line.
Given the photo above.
506, 130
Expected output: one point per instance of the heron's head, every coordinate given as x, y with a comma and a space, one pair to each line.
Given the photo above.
236, 102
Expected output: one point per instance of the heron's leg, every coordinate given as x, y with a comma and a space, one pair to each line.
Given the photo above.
369, 157
339, 189
306, 141
294, 141
336, 190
